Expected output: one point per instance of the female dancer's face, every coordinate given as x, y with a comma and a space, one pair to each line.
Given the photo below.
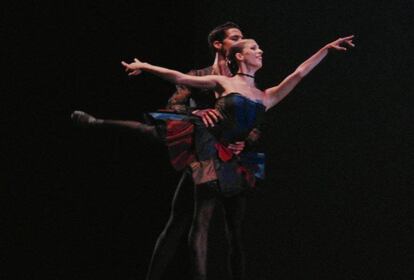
252, 54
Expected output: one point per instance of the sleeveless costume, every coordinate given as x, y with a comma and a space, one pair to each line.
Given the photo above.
181, 131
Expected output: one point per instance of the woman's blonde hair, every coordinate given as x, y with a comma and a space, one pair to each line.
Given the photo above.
231, 56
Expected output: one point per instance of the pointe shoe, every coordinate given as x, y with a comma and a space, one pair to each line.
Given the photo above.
83, 119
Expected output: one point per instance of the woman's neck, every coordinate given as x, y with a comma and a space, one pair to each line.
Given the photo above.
244, 74
247, 78
247, 73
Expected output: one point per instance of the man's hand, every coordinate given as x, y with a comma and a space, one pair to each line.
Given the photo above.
237, 147
208, 116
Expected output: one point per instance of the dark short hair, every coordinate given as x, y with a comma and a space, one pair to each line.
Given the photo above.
219, 33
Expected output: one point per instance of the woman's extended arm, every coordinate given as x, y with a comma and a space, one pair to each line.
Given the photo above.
275, 94
176, 77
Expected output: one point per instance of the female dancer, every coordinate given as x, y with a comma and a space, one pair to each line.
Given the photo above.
219, 174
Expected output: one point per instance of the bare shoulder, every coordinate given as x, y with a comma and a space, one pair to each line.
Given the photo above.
259, 92
223, 81
221, 78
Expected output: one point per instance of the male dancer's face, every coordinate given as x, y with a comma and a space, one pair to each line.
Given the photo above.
233, 35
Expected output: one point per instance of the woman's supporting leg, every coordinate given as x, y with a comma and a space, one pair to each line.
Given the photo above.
234, 210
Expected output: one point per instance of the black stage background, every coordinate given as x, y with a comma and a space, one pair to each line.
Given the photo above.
85, 204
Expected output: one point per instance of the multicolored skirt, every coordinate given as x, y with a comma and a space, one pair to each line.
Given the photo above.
192, 145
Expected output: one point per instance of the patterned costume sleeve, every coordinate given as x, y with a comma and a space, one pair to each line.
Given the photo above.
180, 100
187, 99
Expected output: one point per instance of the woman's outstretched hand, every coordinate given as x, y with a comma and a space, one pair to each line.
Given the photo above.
341, 44
133, 68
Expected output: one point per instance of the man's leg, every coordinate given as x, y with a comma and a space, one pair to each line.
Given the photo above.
178, 224
205, 200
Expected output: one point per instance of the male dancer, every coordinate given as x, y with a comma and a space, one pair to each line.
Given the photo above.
186, 100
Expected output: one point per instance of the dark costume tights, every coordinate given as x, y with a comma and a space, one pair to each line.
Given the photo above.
179, 223
183, 216
86, 120
206, 197
142, 128
177, 226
